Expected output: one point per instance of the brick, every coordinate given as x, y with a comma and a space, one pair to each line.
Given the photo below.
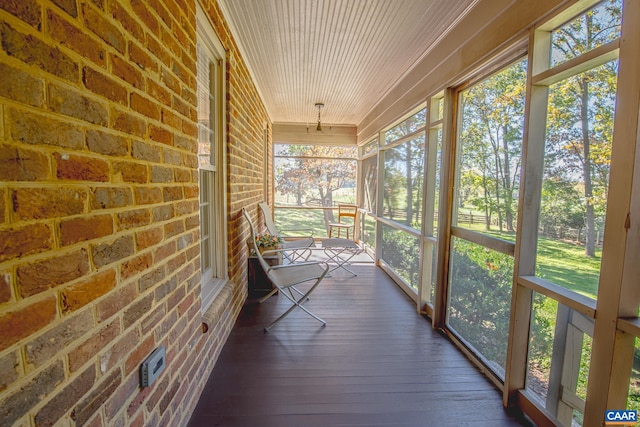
68, 6
169, 80
93, 345
151, 321
163, 213
83, 229
143, 12
135, 311
70, 35
148, 195
3, 206
73, 103
119, 350
180, 106
81, 168
39, 276
34, 51
176, 296
103, 85
118, 400
9, 369
192, 222
161, 174
148, 238
39, 129
181, 73
164, 251
128, 123
87, 290
26, 321
157, 48
171, 194
145, 106
131, 172
5, 288
28, 11
173, 228
42, 203
182, 175
45, 347
158, 391
143, 151
166, 289
172, 157
106, 143
171, 119
97, 420
108, 253
22, 164
17, 404
139, 399
190, 161
188, 144
110, 197
128, 22
21, 86
138, 355
158, 92
185, 304
26, 240
186, 207
134, 218
114, 301
151, 279
127, 72
53, 410
168, 396
136, 265
85, 409
104, 29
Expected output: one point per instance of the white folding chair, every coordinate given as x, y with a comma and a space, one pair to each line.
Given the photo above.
296, 247
286, 277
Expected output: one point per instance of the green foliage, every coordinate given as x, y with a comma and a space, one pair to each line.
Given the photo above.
480, 298
400, 250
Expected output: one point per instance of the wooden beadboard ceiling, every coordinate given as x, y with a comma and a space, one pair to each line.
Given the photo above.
344, 53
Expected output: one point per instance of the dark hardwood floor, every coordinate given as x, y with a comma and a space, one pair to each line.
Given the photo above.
376, 363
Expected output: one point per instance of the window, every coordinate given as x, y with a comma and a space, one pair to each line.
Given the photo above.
211, 160
310, 182
485, 206
400, 201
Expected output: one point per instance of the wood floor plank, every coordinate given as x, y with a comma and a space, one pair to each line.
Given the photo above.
376, 363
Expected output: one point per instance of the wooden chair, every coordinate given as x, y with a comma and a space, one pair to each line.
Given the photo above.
286, 277
347, 216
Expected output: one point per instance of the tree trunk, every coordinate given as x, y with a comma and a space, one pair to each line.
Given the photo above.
508, 192
590, 232
409, 184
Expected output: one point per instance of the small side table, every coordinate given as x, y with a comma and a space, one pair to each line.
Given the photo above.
258, 283
339, 252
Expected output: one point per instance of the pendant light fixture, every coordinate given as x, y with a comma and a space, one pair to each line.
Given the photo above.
319, 106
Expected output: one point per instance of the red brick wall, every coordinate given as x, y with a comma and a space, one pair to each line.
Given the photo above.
99, 252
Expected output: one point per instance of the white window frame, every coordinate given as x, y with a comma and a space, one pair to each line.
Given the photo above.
214, 278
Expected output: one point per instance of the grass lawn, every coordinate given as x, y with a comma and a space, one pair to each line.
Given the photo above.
562, 263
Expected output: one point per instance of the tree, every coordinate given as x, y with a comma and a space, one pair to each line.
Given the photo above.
404, 170
313, 174
491, 137
580, 124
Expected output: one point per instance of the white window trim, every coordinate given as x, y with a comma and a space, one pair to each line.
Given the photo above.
213, 286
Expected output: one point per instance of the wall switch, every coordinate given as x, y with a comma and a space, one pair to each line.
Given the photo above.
152, 366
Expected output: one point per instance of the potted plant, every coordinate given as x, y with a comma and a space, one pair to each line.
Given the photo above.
267, 242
